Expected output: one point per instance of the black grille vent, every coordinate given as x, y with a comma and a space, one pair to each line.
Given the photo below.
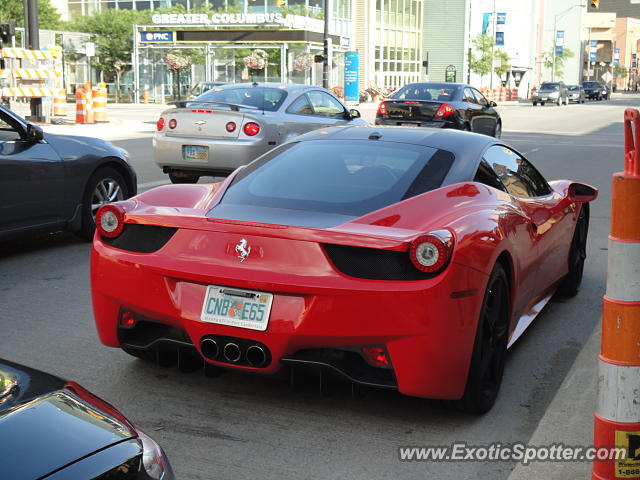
374, 264
141, 238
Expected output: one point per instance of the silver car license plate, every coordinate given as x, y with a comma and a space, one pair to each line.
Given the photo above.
195, 153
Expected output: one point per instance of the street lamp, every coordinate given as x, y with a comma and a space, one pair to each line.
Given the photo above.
555, 30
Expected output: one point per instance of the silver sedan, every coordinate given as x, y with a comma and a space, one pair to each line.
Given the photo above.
231, 125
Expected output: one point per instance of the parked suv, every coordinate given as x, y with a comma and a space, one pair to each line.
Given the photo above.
552, 92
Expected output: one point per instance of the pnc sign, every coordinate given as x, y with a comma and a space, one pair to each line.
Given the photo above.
156, 36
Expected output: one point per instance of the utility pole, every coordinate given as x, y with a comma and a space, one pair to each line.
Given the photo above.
494, 21
33, 42
327, 41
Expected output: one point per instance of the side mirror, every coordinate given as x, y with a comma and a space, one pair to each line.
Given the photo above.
582, 193
493, 104
353, 113
34, 133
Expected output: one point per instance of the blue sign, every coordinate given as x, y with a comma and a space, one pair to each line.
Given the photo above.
499, 39
501, 18
352, 77
616, 56
559, 50
559, 33
485, 23
156, 36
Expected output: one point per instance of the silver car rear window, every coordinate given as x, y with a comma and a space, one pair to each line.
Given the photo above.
268, 99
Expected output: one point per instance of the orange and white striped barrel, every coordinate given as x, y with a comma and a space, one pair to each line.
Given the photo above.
617, 418
514, 94
60, 103
503, 94
100, 104
81, 105
89, 97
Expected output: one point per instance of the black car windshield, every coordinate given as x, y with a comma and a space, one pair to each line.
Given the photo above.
426, 91
549, 86
591, 84
344, 178
265, 98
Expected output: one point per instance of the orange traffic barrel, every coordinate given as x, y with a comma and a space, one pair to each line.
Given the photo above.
617, 417
100, 104
60, 103
89, 98
81, 105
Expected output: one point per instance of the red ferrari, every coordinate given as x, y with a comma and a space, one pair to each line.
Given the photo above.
401, 258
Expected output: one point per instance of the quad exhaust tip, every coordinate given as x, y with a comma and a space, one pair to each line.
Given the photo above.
232, 352
209, 348
256, 356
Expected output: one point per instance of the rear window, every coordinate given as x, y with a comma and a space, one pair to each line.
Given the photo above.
549, 86
350, 178
438, 92
268, 99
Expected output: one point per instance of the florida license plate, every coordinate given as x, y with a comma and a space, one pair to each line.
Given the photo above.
195, 152
236, 307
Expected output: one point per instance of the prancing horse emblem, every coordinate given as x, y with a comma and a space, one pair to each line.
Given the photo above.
242, 250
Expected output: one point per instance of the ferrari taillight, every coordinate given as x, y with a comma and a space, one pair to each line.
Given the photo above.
382, 109
110, 220
173, 123
445, 110
431, 253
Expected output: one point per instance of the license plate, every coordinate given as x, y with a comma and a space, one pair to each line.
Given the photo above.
236, 307
195, 152
409, 124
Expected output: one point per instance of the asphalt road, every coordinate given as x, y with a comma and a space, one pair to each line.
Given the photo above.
237, 426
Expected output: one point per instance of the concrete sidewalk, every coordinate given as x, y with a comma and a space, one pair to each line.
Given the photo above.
568, 419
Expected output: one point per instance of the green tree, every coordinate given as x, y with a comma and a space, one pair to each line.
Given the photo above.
504, 65
559, 61
481, 60
113, 37
619, 71
12, 11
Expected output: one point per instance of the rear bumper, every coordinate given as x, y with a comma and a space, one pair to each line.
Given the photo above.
427, 330
224, 155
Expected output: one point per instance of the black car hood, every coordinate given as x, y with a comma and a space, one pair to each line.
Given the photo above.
47, 423
73, 146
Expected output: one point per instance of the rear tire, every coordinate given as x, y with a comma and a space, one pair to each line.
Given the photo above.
183, 178
490, 347
535, 104
570, 284
542, 103
497, 133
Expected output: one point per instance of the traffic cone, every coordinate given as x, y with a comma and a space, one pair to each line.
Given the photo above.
60, 103
100, 104
89, 97
617, 417
81, 105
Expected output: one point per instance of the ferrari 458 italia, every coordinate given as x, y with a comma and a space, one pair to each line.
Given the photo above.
400, 258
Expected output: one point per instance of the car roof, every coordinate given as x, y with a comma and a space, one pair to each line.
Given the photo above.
436, 84
466, 147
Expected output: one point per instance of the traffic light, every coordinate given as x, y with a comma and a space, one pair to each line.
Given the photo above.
595, 3
7, 32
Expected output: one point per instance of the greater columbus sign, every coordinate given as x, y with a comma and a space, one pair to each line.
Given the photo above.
290, 21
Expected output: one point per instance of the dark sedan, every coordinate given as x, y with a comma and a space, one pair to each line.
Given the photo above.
595, 90
441, 105
56, 182
54, 429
